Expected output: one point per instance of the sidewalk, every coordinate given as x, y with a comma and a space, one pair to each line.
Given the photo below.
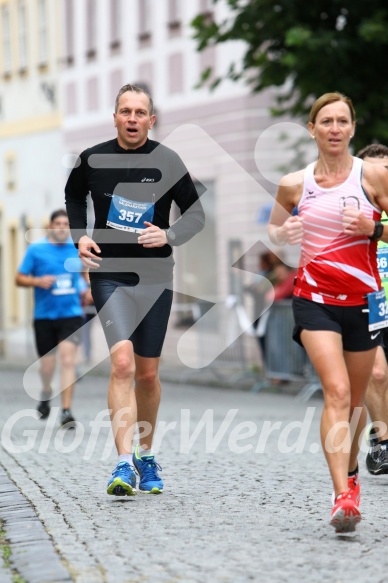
237, 507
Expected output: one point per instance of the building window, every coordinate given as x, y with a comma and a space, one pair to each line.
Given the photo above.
115, 84
115, 25
22, 37
205, 6
6, 29
69, 32
10, 172
145, 25
71, 99
42, 33
91, 23
92, 94
145, 76
175, 73
206, 9
207, 65
174, 18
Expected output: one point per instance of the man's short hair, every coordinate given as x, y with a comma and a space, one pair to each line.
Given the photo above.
58, 213
135, 89
373, 151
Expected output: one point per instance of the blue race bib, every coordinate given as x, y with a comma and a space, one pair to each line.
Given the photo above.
129, 215
378, 310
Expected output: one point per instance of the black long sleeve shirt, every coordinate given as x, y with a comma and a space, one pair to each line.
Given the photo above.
150, 173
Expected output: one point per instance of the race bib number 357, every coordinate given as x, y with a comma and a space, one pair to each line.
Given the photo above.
129, 215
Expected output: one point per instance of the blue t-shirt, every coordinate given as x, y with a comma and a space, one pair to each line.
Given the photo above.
62, 300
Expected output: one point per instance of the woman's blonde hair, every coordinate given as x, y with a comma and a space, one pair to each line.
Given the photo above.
328, 98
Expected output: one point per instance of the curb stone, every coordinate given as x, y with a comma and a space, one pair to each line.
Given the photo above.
33, 555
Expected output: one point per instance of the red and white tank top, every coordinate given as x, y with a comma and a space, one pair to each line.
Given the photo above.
335, 268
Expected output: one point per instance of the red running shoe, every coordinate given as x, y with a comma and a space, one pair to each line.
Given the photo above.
354, 488
345, 514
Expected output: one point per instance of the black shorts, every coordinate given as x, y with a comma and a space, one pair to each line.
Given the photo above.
138, 313
384, 341
351, 322
48, 333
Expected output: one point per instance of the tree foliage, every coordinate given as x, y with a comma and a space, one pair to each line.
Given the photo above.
307, 49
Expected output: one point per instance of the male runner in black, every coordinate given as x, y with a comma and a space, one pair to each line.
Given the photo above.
133, 182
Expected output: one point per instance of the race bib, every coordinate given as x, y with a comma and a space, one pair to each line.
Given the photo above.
129, 215
382, 262
63, 285
378, 310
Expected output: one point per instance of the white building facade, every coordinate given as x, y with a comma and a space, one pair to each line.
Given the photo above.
30, 141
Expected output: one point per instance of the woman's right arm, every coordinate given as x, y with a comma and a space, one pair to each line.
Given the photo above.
284, 228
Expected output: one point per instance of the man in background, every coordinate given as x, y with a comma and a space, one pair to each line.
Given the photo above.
57, 310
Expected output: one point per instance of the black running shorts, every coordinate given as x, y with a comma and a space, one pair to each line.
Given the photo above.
351, 322
384, 342
138, 313
48, 333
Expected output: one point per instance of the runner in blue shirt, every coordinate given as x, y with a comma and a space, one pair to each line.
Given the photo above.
57, 309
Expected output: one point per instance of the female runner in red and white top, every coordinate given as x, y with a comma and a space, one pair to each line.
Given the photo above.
337, 305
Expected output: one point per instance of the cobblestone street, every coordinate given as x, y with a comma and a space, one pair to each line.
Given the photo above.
247, 494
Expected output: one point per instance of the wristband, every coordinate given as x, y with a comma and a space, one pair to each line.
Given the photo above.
378, 232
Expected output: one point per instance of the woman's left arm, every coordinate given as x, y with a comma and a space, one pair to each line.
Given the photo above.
375, 184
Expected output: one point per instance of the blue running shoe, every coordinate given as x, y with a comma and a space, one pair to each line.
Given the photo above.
147, 468
123, 481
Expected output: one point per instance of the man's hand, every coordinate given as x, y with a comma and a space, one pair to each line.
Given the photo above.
45, 281
152, 236
86, 246
356, 224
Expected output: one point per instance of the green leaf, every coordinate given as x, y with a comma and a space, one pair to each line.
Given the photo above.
297, 36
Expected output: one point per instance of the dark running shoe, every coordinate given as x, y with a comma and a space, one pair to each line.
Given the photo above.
44, 409
67, 420
370, 436
377, 461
